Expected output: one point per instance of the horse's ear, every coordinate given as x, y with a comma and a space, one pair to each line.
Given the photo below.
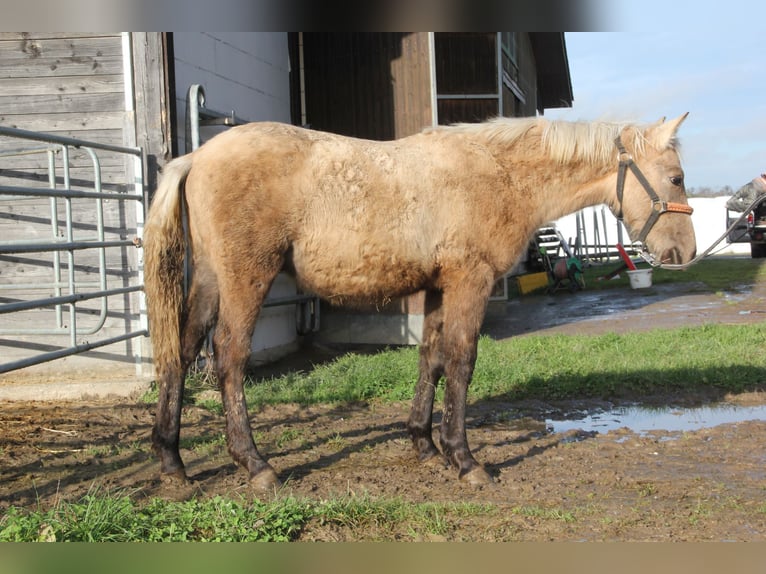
663, 134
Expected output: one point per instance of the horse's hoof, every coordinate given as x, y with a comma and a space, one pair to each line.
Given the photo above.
265, 481
176, 486
477, 477
436, 461
177, 478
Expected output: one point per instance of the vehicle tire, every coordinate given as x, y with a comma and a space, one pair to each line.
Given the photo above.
757, 250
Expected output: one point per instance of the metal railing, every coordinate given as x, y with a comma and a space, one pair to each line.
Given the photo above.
67, 291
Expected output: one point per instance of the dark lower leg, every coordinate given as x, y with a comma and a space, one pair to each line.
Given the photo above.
239, 436
464, 306
420, 421
230, 362
453, 437
200, 313
167, 423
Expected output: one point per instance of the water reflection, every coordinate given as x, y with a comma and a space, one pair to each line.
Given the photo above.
645, 420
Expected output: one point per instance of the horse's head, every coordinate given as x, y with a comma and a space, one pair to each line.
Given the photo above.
650, 192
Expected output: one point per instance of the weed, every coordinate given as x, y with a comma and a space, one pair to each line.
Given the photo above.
545, 513
99, 451
204, 445
646, 489
287, 436
106, 517
336, 442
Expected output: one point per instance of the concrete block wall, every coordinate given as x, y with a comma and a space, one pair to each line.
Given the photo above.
246, 72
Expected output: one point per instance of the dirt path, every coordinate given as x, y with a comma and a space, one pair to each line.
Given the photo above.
699, 485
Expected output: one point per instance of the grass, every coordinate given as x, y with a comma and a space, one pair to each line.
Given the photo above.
117, 517
545, 367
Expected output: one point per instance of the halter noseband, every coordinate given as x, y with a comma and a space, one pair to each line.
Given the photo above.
658, 206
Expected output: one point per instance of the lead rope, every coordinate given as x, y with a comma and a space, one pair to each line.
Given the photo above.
646, 256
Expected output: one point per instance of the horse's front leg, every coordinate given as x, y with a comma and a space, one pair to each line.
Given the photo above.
431, 369
464, 308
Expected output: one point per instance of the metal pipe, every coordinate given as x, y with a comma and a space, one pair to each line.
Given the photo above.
12, 190
66, 141
73, 350
289, 300
63, 246
65, 299
55, 234
70, 252
194, 101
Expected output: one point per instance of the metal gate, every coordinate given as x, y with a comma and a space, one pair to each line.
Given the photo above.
70, 272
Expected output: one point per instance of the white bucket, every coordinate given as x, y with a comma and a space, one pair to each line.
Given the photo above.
640, 278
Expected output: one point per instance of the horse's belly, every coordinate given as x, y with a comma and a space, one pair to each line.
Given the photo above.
362, 277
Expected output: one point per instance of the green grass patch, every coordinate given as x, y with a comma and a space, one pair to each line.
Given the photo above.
388, 375
723, 357
686, 359
104, 517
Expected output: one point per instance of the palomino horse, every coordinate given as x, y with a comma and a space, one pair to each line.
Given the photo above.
447, 211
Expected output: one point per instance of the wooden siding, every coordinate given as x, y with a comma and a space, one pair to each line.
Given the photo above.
68, 85
63, 84
373, 86
466, 110
466, 63
527, 76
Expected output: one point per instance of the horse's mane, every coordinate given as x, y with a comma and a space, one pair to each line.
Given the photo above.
564, 140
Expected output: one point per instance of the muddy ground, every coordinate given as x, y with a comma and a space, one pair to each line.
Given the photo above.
707, 484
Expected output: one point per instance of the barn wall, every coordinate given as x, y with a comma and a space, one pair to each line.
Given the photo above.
373, 86
247, 72
70, 85
527, 76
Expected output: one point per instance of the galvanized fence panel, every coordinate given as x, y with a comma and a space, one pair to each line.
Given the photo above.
68, 280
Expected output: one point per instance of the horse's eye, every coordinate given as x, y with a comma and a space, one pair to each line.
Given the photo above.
677, 180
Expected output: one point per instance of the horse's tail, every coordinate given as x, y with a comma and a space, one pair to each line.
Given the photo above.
164, 250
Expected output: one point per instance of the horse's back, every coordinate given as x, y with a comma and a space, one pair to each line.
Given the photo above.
359, 220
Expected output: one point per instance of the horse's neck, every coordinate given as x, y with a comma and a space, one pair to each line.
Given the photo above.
558, 188
568, 194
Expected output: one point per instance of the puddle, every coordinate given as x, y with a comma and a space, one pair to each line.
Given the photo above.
645, 420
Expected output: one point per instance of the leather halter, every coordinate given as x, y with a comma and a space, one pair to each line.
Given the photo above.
658, 206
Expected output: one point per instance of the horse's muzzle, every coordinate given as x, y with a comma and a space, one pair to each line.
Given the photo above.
673, 256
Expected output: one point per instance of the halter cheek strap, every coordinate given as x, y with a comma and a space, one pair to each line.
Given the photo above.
658, 206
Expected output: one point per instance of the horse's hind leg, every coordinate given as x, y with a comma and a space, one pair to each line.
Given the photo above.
199, 314
431, 370
241, 301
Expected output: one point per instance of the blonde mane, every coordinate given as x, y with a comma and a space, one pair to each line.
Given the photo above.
592, 142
